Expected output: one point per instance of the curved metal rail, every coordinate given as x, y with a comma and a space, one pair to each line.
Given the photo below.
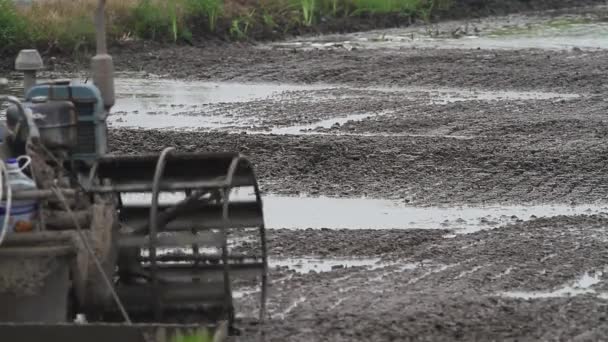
220, 173
158, 174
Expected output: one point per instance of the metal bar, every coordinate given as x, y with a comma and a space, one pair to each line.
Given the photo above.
144, 186
101, 28
101, 332
195, 246
197, 215
153, 156
30, 252
225, 212
39, 194
158, 174
208, 239
39, 238
208, 273
172, 293
264, 285
202, 258
230, 180
167, 214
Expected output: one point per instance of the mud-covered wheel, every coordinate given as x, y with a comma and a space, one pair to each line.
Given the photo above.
39, 299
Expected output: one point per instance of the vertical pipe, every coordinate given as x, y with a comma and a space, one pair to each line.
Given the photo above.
158, 175
100, 26
102, 63
29, 81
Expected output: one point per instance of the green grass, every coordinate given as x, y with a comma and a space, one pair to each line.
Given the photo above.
13, 27
211, 10
201, 336
386, 6
308, 11
66, 25
150, 21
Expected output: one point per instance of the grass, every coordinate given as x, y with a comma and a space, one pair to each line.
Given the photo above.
207, 9
308, 11
66, 25
387, 6
201, 336
12, 27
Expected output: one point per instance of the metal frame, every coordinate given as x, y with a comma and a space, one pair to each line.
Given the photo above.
239, 171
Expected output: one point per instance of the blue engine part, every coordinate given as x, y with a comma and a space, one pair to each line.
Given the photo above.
91, 116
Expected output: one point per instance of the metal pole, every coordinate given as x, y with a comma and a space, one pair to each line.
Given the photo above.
102, 63
29, 81
100, 27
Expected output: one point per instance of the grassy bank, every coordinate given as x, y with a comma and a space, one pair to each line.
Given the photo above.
66, 25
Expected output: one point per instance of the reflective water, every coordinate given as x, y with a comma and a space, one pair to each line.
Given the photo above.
587, 31
166, 96
581, 286
186, 105
153, 103
301, 212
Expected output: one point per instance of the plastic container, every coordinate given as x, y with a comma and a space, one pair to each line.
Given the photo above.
23, 212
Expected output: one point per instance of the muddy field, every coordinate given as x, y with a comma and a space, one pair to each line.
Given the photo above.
412, 192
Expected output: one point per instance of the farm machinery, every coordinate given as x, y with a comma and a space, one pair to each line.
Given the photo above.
141, 242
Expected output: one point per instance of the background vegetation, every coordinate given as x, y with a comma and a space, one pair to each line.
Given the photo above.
67, 26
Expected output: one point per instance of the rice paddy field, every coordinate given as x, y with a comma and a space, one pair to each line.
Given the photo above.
442, 180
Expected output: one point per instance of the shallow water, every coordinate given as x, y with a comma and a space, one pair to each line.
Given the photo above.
194, 106
586, 30
301, 212
186, 105
581, 286
166, 96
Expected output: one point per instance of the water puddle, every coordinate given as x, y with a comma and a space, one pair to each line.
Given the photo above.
581, 286
354, 213
301, 212
327, 124
228, 106
307, 265
188, 105
172, 96
585, 31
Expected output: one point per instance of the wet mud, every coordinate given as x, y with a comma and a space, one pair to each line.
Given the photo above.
432, 287
501, 154
556, 161
428, 129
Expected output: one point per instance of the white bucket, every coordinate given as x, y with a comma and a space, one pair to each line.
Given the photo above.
22, 213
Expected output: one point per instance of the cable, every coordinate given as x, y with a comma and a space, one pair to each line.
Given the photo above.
4, 180
61, 198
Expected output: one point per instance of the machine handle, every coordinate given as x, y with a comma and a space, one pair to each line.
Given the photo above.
27, 114
28, 161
